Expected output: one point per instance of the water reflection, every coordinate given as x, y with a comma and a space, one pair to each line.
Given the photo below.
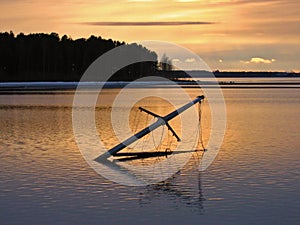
255, 178
184, 188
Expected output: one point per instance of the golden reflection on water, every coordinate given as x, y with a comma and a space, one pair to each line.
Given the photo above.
256, 171
38, 135
36, 139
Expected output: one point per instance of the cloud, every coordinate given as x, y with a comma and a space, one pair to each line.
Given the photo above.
190, 60
158, 23
140, 0
259, 60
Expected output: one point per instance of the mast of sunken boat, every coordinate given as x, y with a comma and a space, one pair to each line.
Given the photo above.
160, 122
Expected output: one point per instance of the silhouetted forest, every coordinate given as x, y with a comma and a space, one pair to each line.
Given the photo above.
47, 57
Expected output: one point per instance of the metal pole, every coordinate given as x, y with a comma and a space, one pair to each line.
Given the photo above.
161, 121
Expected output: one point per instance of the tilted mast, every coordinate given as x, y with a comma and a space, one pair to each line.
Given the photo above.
160, 122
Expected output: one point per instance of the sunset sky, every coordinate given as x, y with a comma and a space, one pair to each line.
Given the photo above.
227, 34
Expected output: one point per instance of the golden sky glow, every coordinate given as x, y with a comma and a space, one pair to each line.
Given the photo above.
240, 30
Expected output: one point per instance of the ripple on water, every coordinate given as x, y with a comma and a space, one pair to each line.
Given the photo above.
254, 179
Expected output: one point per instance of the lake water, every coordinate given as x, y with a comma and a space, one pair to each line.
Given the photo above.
255, 178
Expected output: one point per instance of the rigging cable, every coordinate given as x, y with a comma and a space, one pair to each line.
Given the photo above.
160, 141
200, 134
136, 121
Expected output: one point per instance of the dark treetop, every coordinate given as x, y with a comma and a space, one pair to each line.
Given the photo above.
47, 57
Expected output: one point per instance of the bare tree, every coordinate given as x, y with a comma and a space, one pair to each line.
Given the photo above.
165, 63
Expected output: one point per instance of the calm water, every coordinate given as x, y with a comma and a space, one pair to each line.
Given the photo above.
255, 178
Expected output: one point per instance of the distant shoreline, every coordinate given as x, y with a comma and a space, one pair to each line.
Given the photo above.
176, 75
70, 87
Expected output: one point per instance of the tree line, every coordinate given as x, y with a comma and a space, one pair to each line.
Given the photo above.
48, 57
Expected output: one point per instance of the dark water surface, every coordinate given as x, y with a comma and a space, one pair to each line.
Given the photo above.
255, 178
